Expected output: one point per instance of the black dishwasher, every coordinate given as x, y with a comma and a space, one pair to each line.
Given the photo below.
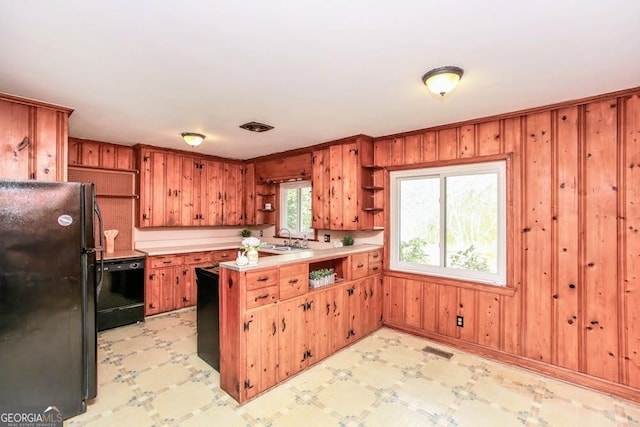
208, 312
121, 299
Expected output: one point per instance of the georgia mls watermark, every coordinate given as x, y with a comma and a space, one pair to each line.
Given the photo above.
31, 417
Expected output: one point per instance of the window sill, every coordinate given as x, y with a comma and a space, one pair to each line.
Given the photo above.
501, 290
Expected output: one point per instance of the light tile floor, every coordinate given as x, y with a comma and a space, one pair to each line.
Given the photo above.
150, 375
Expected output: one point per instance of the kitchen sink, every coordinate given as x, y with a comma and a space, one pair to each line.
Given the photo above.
282, 248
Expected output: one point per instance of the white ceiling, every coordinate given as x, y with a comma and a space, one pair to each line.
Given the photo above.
142, 71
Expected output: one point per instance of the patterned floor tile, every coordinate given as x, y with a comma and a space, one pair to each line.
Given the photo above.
150, 375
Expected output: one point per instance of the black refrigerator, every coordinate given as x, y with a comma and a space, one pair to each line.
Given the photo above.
48, 291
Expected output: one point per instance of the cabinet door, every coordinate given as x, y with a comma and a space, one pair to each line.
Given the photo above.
189, 192
173, 173
340, 322
14, 140
250, 194
261, 334
324, 324
200, 192
357, 301
321, 190
233, 194
292, 343
152, 294
169, 279
215, 174
187, 290
350, 188
157, 190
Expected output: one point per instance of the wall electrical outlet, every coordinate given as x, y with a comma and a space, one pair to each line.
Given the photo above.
460, 321
261, 233
327, 238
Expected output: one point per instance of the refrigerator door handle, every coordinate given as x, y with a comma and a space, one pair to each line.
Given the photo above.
100, 249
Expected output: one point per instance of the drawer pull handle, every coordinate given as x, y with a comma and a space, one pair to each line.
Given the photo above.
275, 329
293, 281
262, 296
284, 325
263, 279
167, 262
376, 255
375, 268
197, 259
360, 265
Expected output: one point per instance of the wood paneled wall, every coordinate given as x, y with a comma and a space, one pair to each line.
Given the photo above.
575, 264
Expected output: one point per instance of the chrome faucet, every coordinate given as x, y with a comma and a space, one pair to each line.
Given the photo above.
286, 242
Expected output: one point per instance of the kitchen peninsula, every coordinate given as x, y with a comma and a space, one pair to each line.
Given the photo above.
273, 324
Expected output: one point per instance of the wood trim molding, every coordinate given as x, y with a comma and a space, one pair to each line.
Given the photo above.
518, 113
557, 372
500, 290
34, 103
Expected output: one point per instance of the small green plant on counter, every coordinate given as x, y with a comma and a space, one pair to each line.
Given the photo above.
322, 277
319, 274
245, 233
347, 240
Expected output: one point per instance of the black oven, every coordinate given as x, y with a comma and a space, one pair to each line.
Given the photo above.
121, 299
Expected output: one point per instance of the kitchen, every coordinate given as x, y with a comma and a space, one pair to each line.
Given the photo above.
568, 306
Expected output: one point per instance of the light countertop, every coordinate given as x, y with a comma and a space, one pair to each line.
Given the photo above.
307, 255
130, 253
184, 249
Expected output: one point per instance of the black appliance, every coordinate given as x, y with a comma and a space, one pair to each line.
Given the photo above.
48, 294
121, 299
208, 321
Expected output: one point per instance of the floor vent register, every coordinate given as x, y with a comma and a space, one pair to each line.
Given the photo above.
438, 352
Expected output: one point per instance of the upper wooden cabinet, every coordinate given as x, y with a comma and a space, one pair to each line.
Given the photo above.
341, 191
33, 139
182, 190
98, 154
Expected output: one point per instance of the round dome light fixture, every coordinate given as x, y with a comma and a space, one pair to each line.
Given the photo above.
192, 138
442, 80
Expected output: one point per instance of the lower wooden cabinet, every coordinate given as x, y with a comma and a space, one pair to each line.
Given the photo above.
261, 341
266, 342
171, 281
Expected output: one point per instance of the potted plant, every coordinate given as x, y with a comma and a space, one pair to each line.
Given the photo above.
245, 233
347, 240
321, 277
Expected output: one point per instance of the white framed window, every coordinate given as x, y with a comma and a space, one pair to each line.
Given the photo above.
295, 208
450, 221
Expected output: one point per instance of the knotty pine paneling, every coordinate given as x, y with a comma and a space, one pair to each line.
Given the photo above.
467, 145
566, 227
537, 237
412, 149
574, 221
489, 138
448, 144
413, 306
630, 229
429, 147
512, 309
600, 302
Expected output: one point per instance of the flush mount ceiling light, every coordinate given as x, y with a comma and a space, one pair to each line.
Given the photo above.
443, 80
193, 139
256, 127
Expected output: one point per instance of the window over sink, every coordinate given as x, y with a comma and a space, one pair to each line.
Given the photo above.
295, 208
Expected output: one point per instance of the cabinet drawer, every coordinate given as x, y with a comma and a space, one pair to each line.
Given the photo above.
227, 255
294, 280
262, 296
359, 265
199, 258
261, 279
375, 256
165, 261
375, 268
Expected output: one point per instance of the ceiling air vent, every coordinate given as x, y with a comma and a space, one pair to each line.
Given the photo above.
256, 127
